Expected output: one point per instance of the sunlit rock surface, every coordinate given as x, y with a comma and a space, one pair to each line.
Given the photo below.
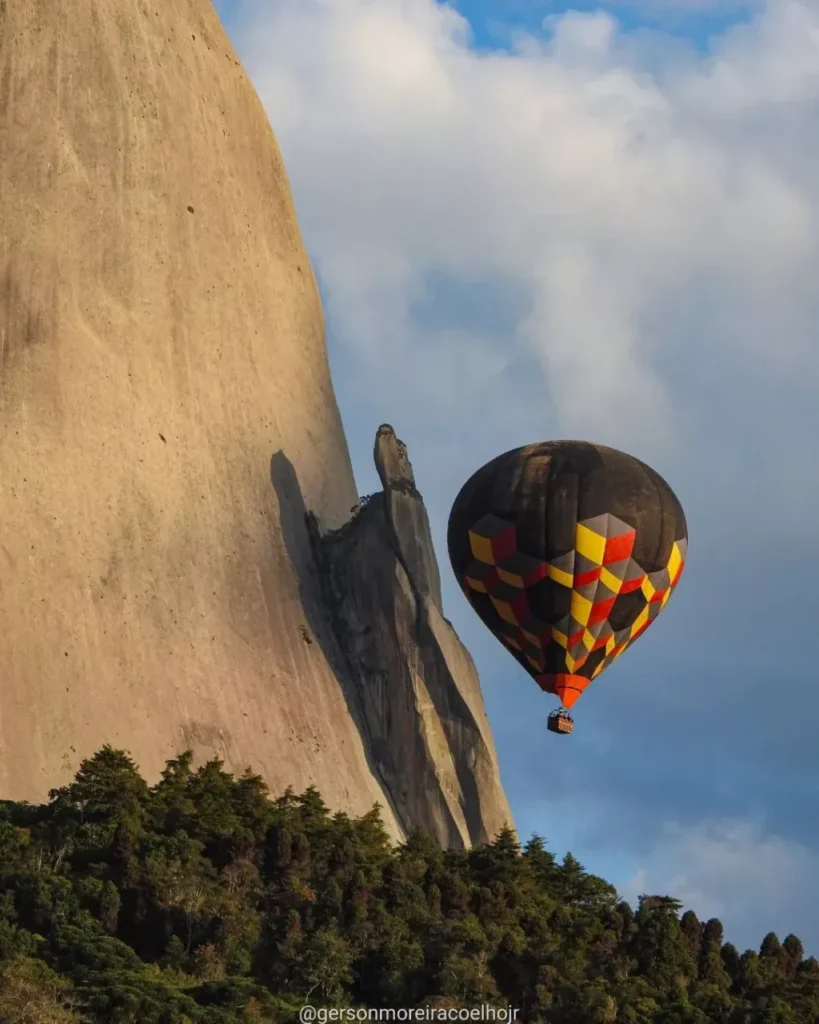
167, 419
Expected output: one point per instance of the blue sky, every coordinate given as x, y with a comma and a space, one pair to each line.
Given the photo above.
602, 228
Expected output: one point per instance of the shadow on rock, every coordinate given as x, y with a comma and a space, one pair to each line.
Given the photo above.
302, 540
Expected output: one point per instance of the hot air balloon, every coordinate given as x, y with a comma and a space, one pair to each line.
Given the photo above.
567, 551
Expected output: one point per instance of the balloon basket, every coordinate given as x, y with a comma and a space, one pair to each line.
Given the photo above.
560, 721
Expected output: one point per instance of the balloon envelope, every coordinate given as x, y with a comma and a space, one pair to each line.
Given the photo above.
567, 551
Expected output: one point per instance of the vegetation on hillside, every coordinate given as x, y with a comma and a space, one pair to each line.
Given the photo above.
201, 899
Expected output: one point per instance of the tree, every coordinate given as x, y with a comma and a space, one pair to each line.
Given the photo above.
200, 900
31, 993
324, 966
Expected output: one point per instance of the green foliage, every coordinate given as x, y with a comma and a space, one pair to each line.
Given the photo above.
201, 900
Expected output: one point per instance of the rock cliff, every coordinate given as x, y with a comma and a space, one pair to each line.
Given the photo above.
167, 420
411, 679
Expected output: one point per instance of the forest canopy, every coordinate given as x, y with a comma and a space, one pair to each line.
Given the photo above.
204, 899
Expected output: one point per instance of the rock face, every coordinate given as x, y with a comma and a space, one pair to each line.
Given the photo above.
413, 682
166, 420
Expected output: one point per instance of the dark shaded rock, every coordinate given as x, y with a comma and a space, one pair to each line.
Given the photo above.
414, 683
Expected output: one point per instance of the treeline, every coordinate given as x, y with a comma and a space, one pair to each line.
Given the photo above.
201, 899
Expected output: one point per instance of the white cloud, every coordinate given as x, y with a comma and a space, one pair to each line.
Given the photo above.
612, 197
735, 871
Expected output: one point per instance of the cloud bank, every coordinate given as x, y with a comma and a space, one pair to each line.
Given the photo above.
730, 870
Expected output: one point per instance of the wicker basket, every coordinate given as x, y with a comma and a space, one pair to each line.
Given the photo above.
560, 723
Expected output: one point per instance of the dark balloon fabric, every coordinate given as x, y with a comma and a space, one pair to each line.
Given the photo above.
567, 551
